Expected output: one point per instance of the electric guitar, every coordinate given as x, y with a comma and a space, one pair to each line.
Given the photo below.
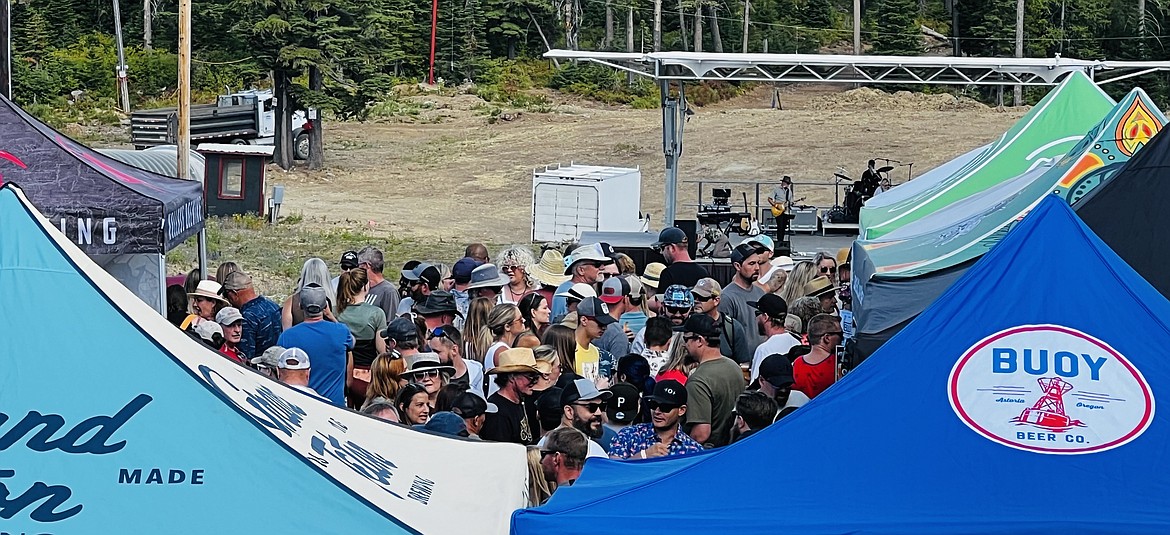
779, 208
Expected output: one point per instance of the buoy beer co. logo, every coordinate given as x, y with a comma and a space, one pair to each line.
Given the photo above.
1050, 389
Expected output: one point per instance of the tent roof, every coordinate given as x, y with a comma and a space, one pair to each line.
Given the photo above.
1130, 212
927, 180
68, 181
914, 440
969, 227
1047, 132
270, 459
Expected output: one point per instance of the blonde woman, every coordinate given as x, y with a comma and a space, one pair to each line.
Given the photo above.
517, 262
477, 314
794, 287
504, 323
539, 489
677, 366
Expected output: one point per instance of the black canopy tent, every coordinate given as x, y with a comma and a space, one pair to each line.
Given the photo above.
123, 217
1131, 212
107, 207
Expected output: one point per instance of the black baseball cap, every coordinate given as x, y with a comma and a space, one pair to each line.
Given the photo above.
777, 370
400, 329
623, 406
349, 260
702, 325
469, 405
669, 392
772, 305
744, 250
669, 236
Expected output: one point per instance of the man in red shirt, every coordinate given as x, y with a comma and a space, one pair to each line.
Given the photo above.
232, 323
816, 371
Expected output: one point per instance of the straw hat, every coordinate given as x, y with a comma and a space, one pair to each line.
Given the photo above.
818, 287
842, 255
548, 270
208, 290
515, 360
652, 274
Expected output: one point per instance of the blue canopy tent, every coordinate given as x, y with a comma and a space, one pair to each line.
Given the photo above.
1010, 405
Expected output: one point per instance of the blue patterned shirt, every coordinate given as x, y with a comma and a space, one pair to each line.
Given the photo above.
261, 326
629, 442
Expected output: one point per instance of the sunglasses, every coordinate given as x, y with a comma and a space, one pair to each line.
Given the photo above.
546, 453
591, 407
677, 310
661, 407
828, 269
702, 299
425, 374
608, 275
440, 333
509, 269
692, 338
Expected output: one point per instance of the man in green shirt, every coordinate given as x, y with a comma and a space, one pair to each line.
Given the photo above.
713, 387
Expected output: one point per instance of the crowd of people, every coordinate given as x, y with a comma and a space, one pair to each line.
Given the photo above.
574, 356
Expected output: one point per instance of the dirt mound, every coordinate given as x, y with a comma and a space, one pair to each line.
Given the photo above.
866, 98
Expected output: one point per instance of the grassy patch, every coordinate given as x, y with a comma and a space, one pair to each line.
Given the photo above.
274, 254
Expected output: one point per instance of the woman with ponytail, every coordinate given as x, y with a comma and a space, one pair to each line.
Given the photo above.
503, 324
365, 321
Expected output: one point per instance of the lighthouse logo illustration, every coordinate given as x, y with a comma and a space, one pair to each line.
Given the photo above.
1050, 389
1048, 411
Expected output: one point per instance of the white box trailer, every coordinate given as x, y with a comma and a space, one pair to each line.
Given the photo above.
570, 199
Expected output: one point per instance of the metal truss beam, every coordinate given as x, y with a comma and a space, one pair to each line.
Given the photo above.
847, 69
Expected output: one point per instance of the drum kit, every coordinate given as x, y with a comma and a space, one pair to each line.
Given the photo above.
857, 192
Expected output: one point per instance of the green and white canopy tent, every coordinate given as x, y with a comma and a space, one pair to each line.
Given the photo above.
1044, 135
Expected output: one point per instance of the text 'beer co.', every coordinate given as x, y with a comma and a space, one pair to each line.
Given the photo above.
1050, 389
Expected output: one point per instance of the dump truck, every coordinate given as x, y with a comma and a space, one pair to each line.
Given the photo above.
243, 118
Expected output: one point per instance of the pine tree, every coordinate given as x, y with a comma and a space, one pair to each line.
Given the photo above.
896, 32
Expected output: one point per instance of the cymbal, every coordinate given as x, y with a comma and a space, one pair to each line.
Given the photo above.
842, 177
885, 169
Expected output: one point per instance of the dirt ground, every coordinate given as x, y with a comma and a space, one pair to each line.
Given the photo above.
451, 175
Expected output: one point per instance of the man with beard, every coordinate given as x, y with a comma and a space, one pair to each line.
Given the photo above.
745, 259
582, 407
515, 373
423, 280
734, 343
771, 312
677, 305
712, 387
662, 436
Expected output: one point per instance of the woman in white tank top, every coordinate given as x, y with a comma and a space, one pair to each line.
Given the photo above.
503, 324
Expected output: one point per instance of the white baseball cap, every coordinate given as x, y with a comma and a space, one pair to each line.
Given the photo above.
293, 358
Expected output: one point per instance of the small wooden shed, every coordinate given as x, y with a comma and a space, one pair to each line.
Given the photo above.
234, 178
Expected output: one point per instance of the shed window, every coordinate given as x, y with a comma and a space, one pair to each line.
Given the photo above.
231, 179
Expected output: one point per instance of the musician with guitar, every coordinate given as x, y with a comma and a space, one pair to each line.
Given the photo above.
781, 201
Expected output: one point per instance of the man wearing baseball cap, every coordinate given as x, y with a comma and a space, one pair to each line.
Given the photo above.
583, 408
771, 311
663, 435
745, 259
349, 260
734, 342
592, 320
775, 381
232, 323
329, 344
293, 369
584, 266
680, 268
474, 410
461, 272
713, 386
615, 293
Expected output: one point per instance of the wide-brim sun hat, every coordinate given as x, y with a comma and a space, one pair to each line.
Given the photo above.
208, 290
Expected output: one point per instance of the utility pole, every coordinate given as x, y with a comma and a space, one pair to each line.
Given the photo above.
121, 68
857, 27
147, 23
6, 42
747, 8
434, 26
1019, 90
657, 25
183, 140
957, 50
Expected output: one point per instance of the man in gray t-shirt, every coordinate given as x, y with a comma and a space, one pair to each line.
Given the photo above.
734, 301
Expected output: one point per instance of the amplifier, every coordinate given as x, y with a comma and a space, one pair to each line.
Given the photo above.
804, 220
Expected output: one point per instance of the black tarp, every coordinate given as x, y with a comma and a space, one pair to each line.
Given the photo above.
103, 205
1131, 212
